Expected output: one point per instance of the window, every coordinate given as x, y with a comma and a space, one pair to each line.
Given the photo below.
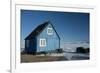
42, 42
49, 31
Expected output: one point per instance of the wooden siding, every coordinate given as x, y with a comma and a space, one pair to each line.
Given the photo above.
52, 41
32, 46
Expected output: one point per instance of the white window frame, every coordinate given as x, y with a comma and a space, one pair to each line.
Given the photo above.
49, 33
42, 42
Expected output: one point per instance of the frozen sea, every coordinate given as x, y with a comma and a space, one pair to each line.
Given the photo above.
76, 56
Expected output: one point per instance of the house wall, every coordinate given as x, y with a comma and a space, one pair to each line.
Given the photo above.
30, 47
52, 41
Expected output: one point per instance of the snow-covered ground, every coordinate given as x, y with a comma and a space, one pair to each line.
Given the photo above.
73, 56
52, 54
70, 55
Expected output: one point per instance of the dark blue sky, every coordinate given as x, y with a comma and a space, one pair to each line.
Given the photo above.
71, 26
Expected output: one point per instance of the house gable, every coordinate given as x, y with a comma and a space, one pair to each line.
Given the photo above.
52, 40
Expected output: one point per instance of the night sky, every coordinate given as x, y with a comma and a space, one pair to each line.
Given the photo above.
71, 26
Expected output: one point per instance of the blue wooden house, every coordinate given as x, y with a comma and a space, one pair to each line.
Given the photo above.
43, 38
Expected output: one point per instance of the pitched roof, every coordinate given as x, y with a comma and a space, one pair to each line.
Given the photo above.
38, 30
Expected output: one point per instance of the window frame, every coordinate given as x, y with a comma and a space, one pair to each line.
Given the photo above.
50, 33
42, 42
